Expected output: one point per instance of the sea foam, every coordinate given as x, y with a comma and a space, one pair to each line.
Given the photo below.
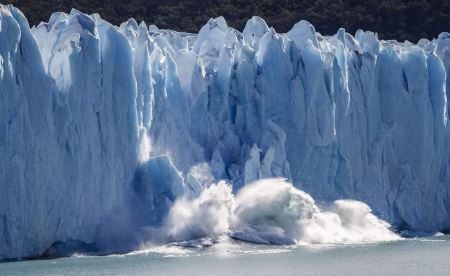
273, 211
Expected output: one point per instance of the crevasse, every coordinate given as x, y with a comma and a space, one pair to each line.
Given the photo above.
103, 125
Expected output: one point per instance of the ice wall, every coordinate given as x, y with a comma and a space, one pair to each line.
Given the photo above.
68, 130
96, 118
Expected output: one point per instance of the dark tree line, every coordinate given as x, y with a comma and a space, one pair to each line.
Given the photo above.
391, 19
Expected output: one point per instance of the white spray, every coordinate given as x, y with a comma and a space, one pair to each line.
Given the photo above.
273, 211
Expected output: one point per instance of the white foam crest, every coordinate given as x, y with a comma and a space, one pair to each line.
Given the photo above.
163, 250
347, 221
205, 216
273, 211
269, 211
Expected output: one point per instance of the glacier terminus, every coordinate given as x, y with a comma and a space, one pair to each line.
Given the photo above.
108, 134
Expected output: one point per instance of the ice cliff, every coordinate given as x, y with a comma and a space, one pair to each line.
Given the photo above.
104, 126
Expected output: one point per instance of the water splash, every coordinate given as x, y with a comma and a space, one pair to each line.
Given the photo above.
273, 211
208, 215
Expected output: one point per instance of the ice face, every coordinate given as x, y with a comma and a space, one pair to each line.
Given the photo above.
103, 124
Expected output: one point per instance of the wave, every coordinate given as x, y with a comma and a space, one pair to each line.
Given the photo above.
270, 211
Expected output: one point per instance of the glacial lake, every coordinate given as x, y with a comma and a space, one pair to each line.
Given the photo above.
417, 256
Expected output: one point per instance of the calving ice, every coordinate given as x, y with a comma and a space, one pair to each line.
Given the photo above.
116, 137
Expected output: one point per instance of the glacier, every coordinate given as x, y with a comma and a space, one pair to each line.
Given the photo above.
103, 128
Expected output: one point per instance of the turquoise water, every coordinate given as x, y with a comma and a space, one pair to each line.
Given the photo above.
422, 256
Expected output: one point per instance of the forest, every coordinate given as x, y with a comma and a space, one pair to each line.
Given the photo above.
391, 19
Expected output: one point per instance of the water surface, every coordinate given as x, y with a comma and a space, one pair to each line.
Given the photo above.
420, 256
